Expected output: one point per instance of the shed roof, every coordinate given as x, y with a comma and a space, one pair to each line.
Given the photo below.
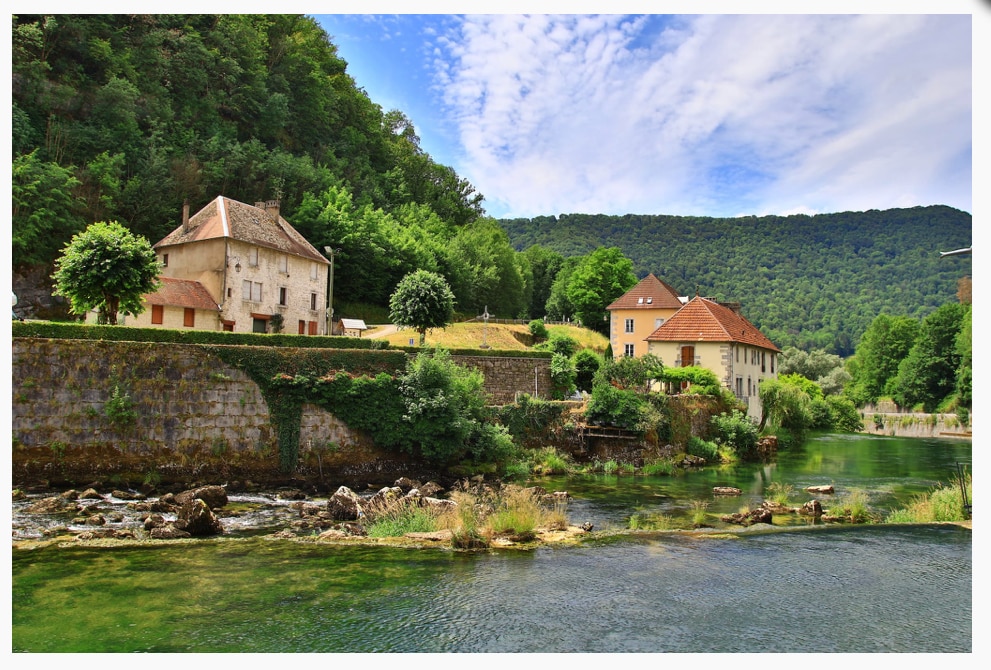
182, 293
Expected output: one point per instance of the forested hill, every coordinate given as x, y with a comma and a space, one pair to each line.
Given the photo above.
808, 281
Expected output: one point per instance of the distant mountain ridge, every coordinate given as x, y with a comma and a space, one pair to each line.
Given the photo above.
806, 281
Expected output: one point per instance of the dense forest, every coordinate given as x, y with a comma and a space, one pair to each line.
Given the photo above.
805, 281
124, 117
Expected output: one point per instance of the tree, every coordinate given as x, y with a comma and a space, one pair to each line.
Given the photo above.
422, 300
928, 374
45, 212
883, 346
603, 275
108, 268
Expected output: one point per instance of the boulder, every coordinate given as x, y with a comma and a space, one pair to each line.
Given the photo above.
811, 508
214, 496
406, 484
90, 494
759, 515
345, 505
153, 521
828, 488
52, 505
168, 532
196, 518
726, 491
430, 489
126, 495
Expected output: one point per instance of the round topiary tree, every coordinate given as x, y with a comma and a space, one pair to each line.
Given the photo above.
422, 300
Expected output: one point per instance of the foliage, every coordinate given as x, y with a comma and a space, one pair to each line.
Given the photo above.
817, 365
119, 408
529, 419
400, 519
883, 346
945, 502
620, 408
701, 381
779, 493
784, 405
563, 345
106, 267
631, 373
843, 414
587, 365
422, 300
45, 211
562, 376
736, 430
600, 278
964, 348
703, 449
538, 329
852, 507
445, 413
929, 372
877, 261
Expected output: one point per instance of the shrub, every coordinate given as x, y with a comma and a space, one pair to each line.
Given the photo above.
701, 381
844, 415
663, 466
120, 408
703, 449
942, 503
735, 429
400, 519
587, 364
562, 376
610, 406
538, 330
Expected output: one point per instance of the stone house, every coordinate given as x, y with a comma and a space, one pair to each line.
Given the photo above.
716, 336
638, 313
257, 273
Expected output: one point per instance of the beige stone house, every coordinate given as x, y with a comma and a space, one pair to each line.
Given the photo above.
717, 337
257, 273
638, 313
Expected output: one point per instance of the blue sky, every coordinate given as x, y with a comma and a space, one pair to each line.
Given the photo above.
708, 115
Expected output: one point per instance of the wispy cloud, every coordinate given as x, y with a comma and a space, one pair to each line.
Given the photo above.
711, 115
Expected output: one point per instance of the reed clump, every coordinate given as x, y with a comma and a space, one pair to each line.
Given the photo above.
945, 502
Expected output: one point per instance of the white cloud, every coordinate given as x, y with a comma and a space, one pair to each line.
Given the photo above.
713, 115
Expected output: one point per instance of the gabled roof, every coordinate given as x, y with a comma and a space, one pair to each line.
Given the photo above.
703, 320
224, 217
650, 293
182, 293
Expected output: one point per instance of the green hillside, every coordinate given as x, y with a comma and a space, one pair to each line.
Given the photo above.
807, 281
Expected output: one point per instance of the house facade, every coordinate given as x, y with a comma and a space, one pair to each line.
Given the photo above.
260, 273
716, 336
178, 303
638, 313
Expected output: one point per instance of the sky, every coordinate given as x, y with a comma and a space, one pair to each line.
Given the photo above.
708, 115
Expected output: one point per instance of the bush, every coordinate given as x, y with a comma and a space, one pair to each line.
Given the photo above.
538, 330
610, 406
735, 429
587, 364
843, 414
562, 376
701, 381
703, 449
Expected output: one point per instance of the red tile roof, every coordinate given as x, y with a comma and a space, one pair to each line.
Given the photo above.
182, 293
650, 293
224, 217
703, 320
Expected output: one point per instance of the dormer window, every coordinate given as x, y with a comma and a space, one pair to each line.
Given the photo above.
650, 300
639, 301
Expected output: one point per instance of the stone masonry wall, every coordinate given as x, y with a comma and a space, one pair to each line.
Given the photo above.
181, 410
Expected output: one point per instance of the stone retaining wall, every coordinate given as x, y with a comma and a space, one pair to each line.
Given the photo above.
99, 409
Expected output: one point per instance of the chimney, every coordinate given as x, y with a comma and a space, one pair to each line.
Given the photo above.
272, 207
185, 216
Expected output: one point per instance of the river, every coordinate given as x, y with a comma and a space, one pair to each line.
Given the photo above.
789, 587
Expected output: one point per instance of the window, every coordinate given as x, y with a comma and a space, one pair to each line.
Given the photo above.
628, 350
302, 327
314, 271
772, 364
639, 301
189, 317
284, 264
313, 327
313, 301
687, 356
283, 297
658, 322
649, 300
157, 314
763, 361
251, 290
165, 260
253, 256
629, 325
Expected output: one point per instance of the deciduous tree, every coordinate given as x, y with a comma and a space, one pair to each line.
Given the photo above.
422, 300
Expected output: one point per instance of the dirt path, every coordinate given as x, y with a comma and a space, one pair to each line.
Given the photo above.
383, 331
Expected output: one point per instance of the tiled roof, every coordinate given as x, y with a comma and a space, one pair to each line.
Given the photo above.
703, 320
224, 217
650, 293
182, 293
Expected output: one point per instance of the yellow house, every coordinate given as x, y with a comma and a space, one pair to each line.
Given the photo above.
638, 313
715, 336
257, 271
